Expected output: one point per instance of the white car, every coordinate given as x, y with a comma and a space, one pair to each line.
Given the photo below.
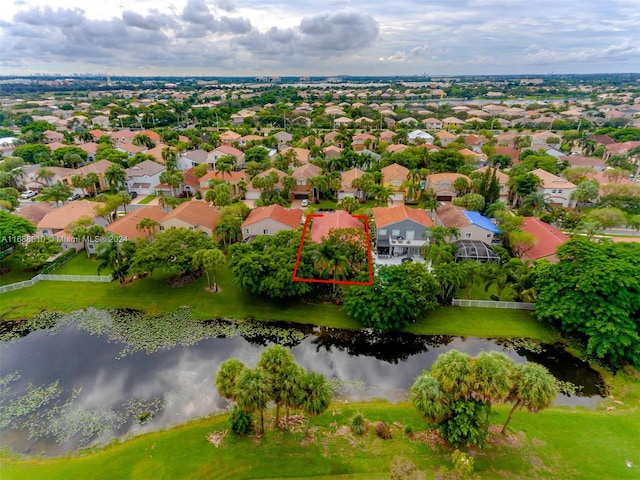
28, 194
305, 203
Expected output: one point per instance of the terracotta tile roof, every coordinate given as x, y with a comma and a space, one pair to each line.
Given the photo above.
228, 150
452, 216
306, 171
290, 217
99, 167
394, 172
195, 213
349, 176
549, 180
230, 135
582, 161
89, 147
126, 226
189, 177
396, 147
444, 134
59, 218
230, 177
384, 216
321, 226
34, 212
549, 239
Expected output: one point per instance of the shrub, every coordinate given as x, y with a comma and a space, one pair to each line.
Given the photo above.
358, 424
241, 422
383, 430
408, 429
403, 469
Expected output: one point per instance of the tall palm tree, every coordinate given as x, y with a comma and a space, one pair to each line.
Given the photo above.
429, 399
253, 392
45, 174
316, 395
116, 255
227, 378
533, 388
173, 179
115, 177
147, 225
93, 181
126, 200
170, 157
277, 362
290, 389
59, 192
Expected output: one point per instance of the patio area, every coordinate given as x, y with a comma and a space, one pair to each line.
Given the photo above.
395, 260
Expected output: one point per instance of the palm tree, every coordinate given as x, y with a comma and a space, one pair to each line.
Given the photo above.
45, 174
253, 392
209, 259
533, 388
227, 378
79, 181
173, 179
429, 399
316, 395
290, 389
494, 274
92, 180
116, 255
277, 362
115, 176
85, 229
126, 200
491, 378
147, 225
170, 157
454, 371
58, 192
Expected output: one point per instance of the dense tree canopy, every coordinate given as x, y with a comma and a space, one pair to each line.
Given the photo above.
14, 230
399, 295
594, 290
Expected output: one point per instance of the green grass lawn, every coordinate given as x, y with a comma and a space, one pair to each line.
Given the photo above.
16, 272
476, 291
146, 200
154, 295
79, 265
559, 443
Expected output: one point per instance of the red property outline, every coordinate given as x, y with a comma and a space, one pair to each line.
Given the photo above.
295, 277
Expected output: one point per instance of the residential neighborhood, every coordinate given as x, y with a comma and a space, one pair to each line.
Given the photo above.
177, 228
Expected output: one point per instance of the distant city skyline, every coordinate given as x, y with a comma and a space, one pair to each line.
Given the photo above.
319, 38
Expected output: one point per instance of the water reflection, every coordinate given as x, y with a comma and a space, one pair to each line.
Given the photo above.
369, 365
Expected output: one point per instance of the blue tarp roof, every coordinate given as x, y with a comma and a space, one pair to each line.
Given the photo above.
481, 221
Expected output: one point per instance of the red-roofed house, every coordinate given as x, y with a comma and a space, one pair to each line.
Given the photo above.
222, 151
346, 188
270, 220
548, 237
394, 176
360, 142
321, 226
442, 185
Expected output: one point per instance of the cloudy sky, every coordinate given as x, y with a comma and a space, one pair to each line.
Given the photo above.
319, 37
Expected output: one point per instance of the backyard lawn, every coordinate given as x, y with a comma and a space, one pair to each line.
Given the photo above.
80, 265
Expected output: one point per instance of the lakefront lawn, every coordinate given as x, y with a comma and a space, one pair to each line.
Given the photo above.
561, 442
154, 295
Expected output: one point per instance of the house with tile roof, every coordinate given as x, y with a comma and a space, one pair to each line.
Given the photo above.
503, 180
143, 177
284, 140
432, 123
442, 185
193, 215
322, 226
229, 137
555, 190
34, 212
253, 193
56, 222
192, 158
548, 239
303, 175
234, 179
598, 164
359, 141
470, 225
347, 190
445, 137
394, 176
300, 155
401, 230
270, 220
127, 225
420, 137
223, 151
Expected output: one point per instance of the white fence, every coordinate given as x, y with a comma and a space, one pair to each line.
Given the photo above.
57, 278
459, 302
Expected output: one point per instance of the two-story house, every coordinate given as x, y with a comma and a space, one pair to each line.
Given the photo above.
143, 177
401, 231
442, 185
303, 176
470, 225
555, 190
394, 176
